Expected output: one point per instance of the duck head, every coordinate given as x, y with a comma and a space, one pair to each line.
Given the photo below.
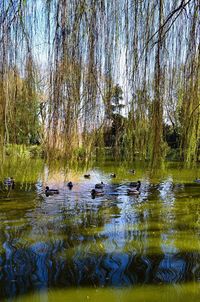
138, 184
70, 185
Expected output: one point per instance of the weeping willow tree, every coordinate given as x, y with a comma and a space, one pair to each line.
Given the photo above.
74, 96
18, 75
75, 52
190, 107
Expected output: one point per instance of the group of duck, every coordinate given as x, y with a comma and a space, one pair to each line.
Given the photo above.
133, 189
112, 175
50, 192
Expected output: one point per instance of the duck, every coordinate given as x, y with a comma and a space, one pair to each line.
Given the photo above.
100, 185
9, 182
97, 192
112, 175
87, 175
70, 185
132, 171
197, 180
135, 189
51, 191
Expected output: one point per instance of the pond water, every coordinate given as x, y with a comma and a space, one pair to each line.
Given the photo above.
113, 247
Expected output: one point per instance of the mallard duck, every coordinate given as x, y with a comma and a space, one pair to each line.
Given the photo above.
197, 180
70, 185
132, 171
99, 186
135, 189
51, 191
9, 182
87, 175
112, 175
97, 192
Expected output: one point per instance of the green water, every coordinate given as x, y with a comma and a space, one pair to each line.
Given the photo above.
111, 248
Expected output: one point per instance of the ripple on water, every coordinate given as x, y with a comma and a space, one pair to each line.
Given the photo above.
115, 240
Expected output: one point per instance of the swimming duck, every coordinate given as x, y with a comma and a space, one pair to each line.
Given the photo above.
87, 175
197, 180
99, 186
132, 171
70, 185
97, 192
9, 182
51, 191
113, 175
135, 189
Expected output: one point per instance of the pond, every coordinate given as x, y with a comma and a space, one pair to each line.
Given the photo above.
114, 247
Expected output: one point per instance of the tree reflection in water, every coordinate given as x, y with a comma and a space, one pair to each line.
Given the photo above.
72, 240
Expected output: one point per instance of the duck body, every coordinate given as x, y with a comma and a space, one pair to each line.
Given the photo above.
70, 185
112, 175
51, 191
135, 187
100, 185
132, 171
9, 182
97, 192
133, 184
133, 192
197, 180
136, 184
87, 175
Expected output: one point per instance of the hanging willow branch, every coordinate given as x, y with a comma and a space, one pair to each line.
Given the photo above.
148, 50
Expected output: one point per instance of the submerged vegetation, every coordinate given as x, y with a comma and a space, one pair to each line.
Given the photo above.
80, 75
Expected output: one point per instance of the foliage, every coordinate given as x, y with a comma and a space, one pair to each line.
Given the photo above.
58, 75
23, 151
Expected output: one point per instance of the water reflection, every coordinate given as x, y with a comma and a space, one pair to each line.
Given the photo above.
44, 265
71, 240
